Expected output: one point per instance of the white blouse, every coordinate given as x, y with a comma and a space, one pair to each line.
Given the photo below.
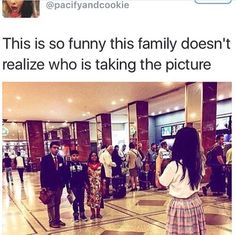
172, 177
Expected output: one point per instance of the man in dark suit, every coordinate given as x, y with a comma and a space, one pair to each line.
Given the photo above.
53, 178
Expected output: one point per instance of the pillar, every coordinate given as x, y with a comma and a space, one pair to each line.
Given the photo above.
200, 110
138, 123
103, 123
83, 138
36, 142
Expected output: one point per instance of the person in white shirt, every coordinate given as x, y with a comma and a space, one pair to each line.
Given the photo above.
20, 165
163, 158
183, 175
106, 159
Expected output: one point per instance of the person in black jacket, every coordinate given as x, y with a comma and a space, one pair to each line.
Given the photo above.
116, 171
77, 173
53, 178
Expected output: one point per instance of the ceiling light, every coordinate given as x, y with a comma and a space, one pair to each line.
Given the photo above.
9, 110
167, 110
176, 107
167, 83
52, 126
18, 97
152, 113
160, 112
193, 115
69, 100
122, 100
221, 97
84, 114
113, 102
88, 113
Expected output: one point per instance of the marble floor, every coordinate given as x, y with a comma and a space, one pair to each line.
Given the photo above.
139, 213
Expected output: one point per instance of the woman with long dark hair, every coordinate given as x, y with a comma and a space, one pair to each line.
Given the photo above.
96, 175
183, 175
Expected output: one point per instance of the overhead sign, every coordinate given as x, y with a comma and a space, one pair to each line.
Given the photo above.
5, 131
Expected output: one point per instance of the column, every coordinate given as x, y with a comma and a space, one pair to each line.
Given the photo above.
200, 110
138, 123
36, 142
103, 122
83, 137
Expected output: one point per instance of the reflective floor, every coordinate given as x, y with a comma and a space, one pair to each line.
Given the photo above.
141, 212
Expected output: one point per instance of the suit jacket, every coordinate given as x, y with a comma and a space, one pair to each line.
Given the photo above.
50, 177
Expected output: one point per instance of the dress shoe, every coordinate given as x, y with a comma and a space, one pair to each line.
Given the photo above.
62, 223
99, 216
52, 225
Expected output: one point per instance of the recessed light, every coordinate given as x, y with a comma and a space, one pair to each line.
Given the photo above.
193, 115
221, 97
9, 110
113, 102
167, 110
69, 100
176, 107
152, 113
160, 112
122, 100
167, 83
18, 97
88, 113
84, 114
52, 126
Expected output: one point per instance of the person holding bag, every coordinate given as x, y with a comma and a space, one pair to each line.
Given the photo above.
53, 179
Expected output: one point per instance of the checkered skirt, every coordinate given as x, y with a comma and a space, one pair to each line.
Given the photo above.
186, 216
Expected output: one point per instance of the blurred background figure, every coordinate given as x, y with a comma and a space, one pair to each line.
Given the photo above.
6, 163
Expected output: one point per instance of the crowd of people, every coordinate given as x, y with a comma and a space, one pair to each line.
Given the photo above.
180, 170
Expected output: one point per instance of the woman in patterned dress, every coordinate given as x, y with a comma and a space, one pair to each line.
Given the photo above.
96, 175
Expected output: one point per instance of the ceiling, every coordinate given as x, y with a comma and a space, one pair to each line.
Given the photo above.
69, 101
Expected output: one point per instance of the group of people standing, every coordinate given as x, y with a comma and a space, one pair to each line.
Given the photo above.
182, 176
8, 164
78, 177
94, 177
180, 170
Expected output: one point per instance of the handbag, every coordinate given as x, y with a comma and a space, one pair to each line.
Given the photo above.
45, 196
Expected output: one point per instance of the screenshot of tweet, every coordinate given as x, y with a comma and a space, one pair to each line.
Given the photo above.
117, 116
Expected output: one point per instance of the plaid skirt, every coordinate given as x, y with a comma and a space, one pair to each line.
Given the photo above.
186, 216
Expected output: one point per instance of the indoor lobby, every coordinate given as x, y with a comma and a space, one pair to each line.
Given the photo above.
84, 116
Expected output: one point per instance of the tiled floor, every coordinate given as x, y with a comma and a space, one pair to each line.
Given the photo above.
142, 212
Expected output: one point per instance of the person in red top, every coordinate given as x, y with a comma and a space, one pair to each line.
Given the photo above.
97, 185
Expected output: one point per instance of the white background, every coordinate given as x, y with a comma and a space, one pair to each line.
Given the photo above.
147, 19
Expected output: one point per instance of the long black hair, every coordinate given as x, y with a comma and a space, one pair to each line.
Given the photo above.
186, 152
27, 9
